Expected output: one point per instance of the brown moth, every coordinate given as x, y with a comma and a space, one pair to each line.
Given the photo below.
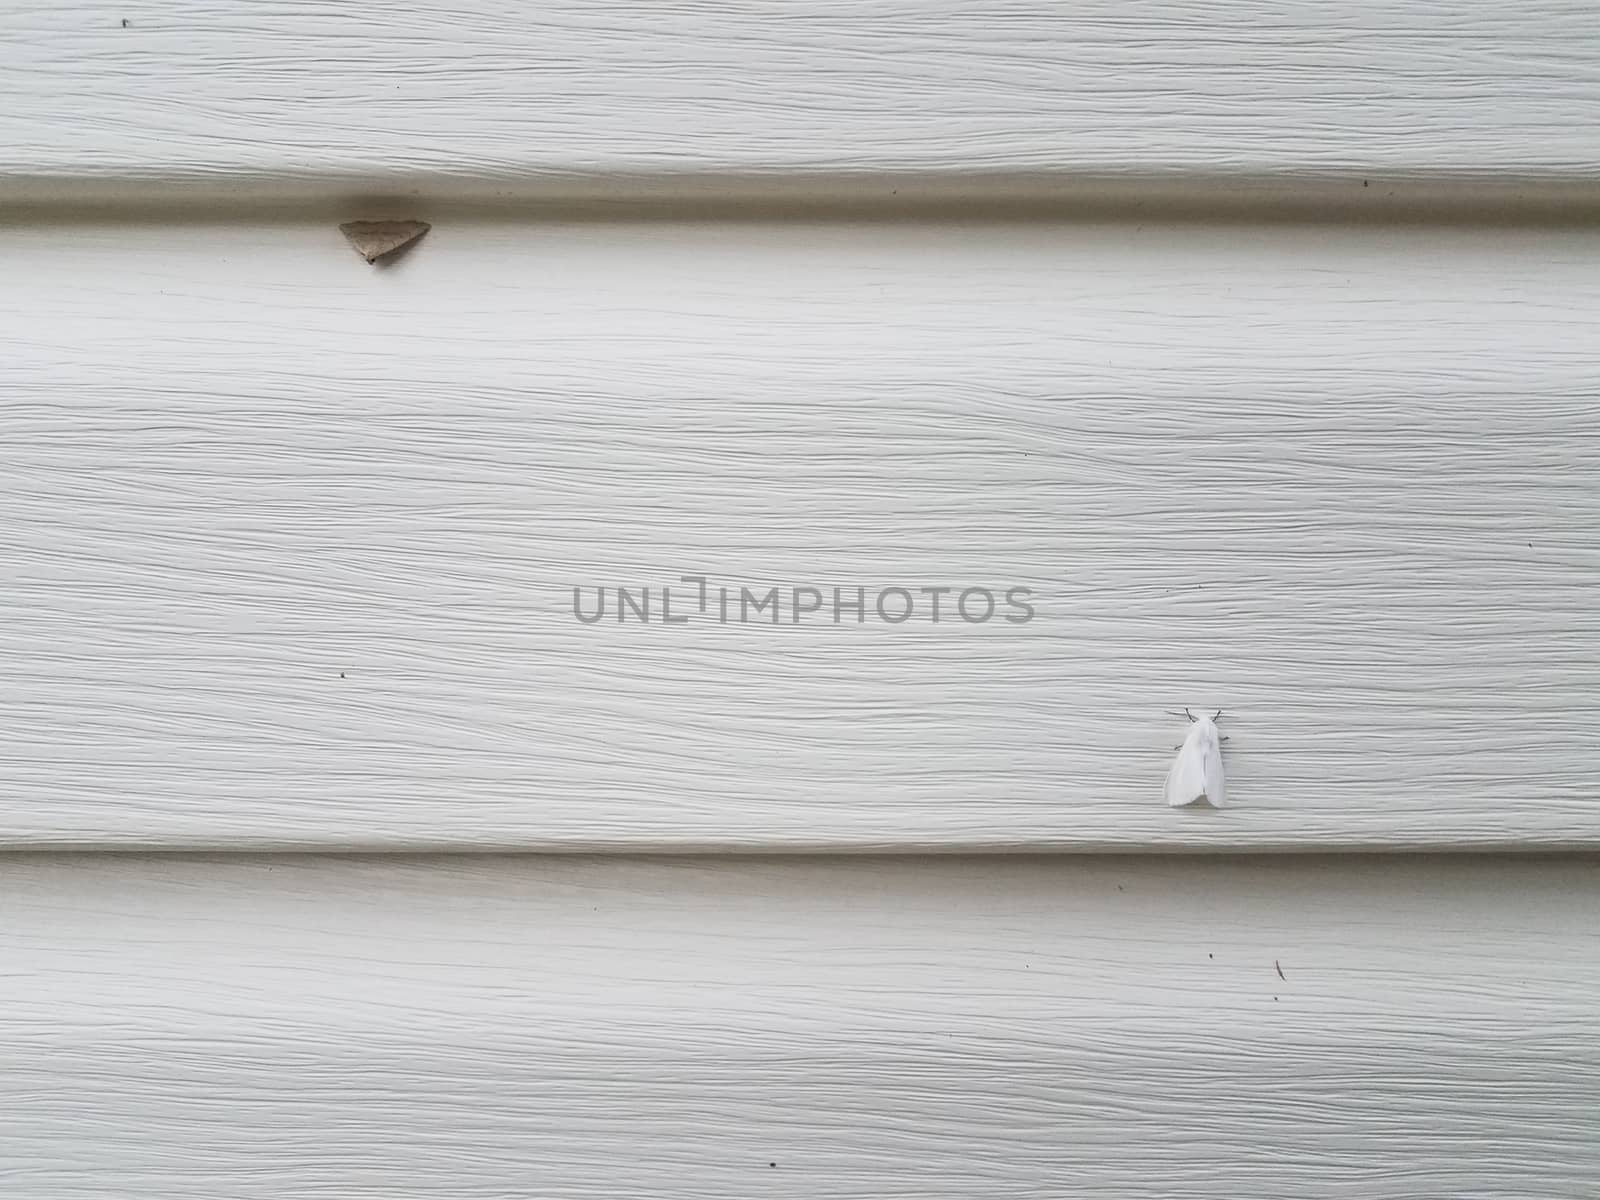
375, 239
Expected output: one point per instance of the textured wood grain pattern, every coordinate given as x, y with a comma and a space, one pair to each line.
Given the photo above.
289, 544
1111, 1028
498, 90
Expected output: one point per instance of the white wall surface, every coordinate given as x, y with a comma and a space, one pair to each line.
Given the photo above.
287, 543
499, 90
224, 1029
290, 542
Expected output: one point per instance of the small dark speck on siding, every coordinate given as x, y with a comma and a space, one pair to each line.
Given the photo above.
124, 22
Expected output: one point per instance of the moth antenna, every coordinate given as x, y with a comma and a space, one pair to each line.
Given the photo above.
1223, 738
1188, 714
1218, 717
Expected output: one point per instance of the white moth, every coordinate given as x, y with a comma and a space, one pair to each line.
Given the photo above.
1196, 773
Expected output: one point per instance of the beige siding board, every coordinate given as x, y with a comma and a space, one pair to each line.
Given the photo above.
197, 92
1116, 1028
1339, 483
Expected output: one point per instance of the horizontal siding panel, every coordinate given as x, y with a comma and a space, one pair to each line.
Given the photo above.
196, 91
290, 542
181, 1028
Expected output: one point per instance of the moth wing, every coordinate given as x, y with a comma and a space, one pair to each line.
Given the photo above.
1186, 781
1215, 792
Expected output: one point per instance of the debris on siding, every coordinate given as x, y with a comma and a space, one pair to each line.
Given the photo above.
377, 239
1196, 773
